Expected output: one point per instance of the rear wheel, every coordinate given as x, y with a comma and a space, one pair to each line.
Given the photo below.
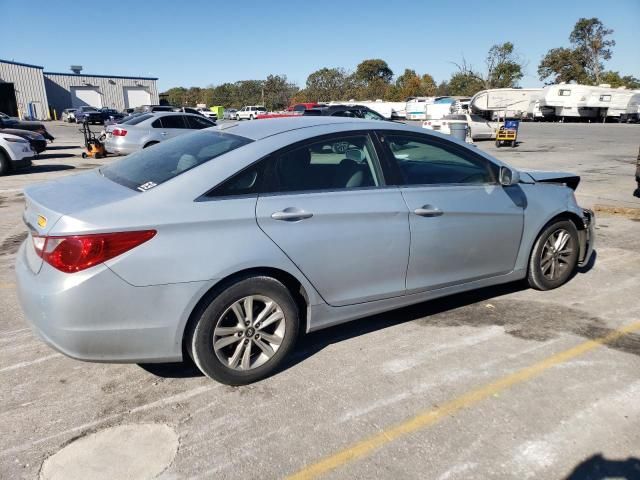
245, 332
554, 256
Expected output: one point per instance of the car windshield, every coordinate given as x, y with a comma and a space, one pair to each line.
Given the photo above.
152, 166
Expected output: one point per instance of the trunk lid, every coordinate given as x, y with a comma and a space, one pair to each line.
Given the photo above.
47, 203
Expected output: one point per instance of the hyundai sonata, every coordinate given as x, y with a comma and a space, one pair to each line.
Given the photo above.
224, 243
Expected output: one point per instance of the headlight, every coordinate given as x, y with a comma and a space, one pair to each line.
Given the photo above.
15, 140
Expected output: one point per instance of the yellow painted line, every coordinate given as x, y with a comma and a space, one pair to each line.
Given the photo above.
7, 285
430, 417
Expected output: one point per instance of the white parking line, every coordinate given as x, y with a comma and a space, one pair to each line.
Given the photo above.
32, 362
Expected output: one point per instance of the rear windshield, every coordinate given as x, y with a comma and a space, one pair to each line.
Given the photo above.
152, 166
137, 119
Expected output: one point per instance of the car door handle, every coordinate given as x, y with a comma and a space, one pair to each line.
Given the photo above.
291, 214
428, 211
163, 133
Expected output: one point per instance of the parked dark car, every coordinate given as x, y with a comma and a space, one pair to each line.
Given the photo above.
88, 115
351, 111
188, 110
155, 108
128, 111
37, 141
10, 122
111, 115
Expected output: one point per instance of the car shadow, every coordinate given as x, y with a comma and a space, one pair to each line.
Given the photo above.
50, 156
42, 169
62, 147
597, 467
525, 319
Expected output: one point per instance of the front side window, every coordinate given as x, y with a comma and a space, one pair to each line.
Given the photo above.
150, 167
422, 162
565, 93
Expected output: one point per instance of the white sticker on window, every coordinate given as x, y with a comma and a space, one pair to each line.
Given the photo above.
146, 186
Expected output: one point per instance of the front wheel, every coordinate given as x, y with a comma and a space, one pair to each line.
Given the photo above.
554, 256
245, 332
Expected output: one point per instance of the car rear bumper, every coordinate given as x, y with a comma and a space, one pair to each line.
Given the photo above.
118, 145
94, 315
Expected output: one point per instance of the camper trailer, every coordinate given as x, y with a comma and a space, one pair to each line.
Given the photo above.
509, 102
567, 101
632, 112
610, 103
417, 107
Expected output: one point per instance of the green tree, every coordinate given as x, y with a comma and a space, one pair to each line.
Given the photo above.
616, 80
583, 62
504, 68
563, 65
465, 84
373, 69
589, 37
328, 84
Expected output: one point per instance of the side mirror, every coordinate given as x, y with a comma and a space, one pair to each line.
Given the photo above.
508, 176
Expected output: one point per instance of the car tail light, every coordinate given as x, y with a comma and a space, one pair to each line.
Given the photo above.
78, 252
119, 132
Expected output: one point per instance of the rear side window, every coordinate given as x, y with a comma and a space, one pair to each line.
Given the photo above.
152, 166
173, 121
138, 119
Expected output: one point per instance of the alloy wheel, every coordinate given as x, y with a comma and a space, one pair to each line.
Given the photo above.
556, 254
249, 332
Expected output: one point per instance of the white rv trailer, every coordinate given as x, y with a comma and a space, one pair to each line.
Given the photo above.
417, 107
510, 102
610, 102
567, 100
632, 113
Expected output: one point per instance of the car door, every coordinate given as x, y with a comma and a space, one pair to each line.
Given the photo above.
464, 225
172, 126
480, 127
328, 209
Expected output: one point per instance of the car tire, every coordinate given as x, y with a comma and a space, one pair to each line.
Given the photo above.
5, 164
230, 363
550, 267
250, 117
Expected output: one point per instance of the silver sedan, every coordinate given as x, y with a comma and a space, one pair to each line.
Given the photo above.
144, 130
225, 243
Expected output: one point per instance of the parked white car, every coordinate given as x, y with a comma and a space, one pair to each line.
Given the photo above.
68, 115
479, 128
15, 152
207, 113
250, 112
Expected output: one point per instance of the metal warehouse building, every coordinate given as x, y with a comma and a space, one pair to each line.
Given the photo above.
65, 90
27, 91
22, 91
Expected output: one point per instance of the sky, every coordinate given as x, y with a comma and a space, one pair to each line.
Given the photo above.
200, 43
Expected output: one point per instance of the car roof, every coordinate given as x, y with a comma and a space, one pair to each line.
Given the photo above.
259, 129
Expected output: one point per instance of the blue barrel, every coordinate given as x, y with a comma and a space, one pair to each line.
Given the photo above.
458, 130
512, 124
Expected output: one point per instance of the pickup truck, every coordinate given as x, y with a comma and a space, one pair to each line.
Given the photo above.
250, 112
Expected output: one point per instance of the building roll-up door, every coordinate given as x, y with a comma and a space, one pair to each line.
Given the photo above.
86, 97
136, 97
